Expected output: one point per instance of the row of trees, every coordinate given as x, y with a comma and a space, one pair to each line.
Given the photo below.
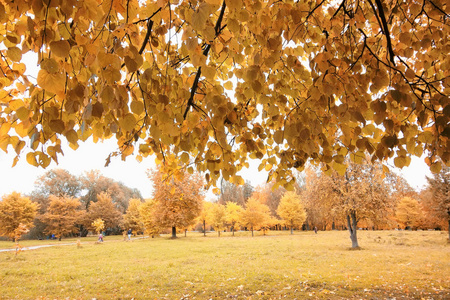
364, 196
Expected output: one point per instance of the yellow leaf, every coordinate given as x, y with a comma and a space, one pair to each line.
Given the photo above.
200, 16
31, 159
60, 48
22, 113
52, 82
137, 107
436, 167
14, 53
278, 137
57, 126
128, 122
228, 85
209, 72
72, 136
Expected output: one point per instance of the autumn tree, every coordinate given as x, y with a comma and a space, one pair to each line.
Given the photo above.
16, 215
216, 83
132, 218
204, 213
104, 209
255, 215
408, 212
217, 217
98, 225
291, 210
93, 183
231, 192
62, 215
178, 198
149, 218
233, 215
439, 189
359, 194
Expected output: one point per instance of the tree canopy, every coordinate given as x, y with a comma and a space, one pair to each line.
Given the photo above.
218, 82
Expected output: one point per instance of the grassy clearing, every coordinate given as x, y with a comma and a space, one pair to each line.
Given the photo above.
391, 264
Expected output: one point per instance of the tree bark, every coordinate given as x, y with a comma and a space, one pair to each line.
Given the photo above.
352, 228
292, 230
252, 230
204, 228
174, 232
185, 231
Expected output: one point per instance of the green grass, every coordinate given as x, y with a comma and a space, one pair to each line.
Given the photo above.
305, 265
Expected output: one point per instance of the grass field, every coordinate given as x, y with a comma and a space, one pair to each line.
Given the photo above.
391, 264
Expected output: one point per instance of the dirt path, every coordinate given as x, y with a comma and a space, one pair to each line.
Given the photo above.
13, 248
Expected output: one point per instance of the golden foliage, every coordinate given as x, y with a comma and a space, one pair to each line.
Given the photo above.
215, 83
17, 214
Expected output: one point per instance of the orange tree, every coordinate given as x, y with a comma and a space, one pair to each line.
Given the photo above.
17, 214
225, 81
62, 215
104, 209
178, 199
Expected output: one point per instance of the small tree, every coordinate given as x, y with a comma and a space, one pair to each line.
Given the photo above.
98, 225
203, 216
62, 215
148, 219
291, 210
178, 199
255, 215
217, 217
17, 214
408, 212
233, 214
132, 218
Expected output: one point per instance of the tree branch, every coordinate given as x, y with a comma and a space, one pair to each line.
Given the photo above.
218, 29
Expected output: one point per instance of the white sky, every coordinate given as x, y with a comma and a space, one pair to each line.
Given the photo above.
90, 156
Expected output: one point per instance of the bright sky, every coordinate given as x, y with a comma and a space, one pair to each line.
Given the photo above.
90, 156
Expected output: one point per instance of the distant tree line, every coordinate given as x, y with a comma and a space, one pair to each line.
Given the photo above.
366, 195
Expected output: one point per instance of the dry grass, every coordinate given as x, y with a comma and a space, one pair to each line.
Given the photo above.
390, 264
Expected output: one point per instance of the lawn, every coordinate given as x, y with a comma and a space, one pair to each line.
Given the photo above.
400, 264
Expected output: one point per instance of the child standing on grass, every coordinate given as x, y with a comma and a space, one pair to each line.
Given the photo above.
129, 234
100, 238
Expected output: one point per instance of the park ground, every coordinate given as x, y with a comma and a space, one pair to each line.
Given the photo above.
390, 265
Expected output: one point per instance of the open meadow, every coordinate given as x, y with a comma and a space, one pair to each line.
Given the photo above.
391, 264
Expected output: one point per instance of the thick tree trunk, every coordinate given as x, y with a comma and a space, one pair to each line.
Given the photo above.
218, 232
252, 230
352, 228
174, 232
232, 230
185, 231
204, 228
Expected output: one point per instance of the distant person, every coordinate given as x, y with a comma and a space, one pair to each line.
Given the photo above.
100, 238
129, 234
315, 229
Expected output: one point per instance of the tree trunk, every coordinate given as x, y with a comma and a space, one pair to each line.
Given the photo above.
252, 230
204, 228
449, 229
174, 232
218, 232
292, 230
59, 239
352, 228
185, 232
232, 230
